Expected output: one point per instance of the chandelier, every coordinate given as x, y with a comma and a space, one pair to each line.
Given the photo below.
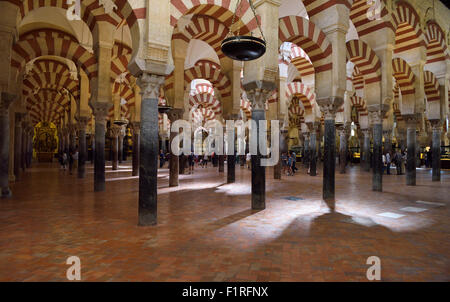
244, 48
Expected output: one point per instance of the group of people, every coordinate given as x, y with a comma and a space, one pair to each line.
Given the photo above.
397, 158
68, 158
288, 161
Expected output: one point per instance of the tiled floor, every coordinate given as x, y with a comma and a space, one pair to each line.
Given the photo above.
207, 232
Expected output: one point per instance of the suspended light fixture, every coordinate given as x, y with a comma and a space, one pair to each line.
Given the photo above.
244, 48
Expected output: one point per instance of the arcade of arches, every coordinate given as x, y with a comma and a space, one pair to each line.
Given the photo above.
102, 81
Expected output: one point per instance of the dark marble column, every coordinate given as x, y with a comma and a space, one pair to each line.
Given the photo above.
174, 114
136, 146
313, 148
411, 121
283, 149
82, 152
149, 143
366, 150
343, 137
231, 168
221, 163
24, 146
5, 101
120, 151
18, 144
387, 134
436, 150
329, 106
376, 115
93, 148
30, 147
306, 149
257, 93
100, 112
115, 130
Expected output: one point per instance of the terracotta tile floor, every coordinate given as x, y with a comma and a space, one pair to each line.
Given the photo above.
207, 232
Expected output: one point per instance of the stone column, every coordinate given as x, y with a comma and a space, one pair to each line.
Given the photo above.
313, 128
82, 152
93, 148
136, 146
436, 150
376, 115
24, 145
411, 121
306, 149
366, 150
149, 143
115, 131
18, 144
221, 163
30, 147
5, 101
100, 110
120, 138
257, 93
231, 159
387, 140
173, 114
343, 138
329, 107
283, 149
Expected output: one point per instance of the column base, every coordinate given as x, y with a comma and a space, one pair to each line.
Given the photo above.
6, 193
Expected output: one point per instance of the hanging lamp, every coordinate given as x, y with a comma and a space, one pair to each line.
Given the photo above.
245, 47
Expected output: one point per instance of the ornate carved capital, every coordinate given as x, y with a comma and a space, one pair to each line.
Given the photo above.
410, 120
136, 126
329, 106
150, 85
82, 122
5, 100
377, 113
175, 114
258, 92
100, 110
436, 125
115, 130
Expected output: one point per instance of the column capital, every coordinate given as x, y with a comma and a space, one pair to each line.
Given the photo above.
305, 135
410, 120
82, 122
365, 132
175, 114
19, 118
258, 92
231, 117
136, 126
6, 99
100, 110
115, 130
313, 126
150, 85
377, 113
436, 124
329, 106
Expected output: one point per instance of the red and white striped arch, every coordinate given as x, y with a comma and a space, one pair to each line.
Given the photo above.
202, 115
204, 88
47, 80
52, 43
305, 94
212, 74
309, 37
314, 7
205, 100
46, 105
359, 104
404, 76
397, 112
125, 92
357, 79
365, 59
408, 33
206, 29
221, 10
301, 61
436, 45
120, 57
53, 66
431, 87
364, 25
